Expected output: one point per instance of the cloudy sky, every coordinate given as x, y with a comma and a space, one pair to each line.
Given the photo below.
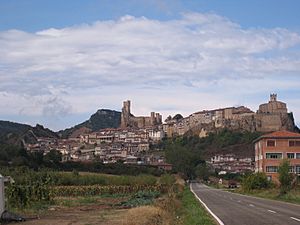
60, 61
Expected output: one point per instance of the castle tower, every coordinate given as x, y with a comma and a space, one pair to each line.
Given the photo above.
152, 118
157, 118
125, 116
273, 97
126, 106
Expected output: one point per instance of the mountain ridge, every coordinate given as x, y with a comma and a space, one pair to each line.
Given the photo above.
18, 133
103, 118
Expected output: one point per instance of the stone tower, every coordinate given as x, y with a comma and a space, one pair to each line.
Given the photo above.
125, 116
273, 97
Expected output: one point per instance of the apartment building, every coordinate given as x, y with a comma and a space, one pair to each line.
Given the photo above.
271, 148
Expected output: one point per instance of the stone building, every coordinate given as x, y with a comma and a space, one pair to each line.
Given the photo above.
271, 116
130, 121
273, 106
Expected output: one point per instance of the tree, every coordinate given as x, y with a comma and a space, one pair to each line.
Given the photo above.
53, 158
183, 159
202, 171
285, 178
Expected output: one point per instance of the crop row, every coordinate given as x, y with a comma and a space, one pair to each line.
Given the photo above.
24, 195
91, 190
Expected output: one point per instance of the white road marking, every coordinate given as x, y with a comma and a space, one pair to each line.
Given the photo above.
205, 206
251, 205
295, 219
271, 211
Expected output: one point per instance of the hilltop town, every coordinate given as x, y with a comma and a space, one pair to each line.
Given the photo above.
271, 116
136, 138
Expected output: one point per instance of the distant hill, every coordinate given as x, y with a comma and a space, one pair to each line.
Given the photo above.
103, 118
17, 133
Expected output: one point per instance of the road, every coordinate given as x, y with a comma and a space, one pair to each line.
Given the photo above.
236, 209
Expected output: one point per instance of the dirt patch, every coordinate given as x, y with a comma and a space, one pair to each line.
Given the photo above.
80, 211
85, 215
151, 216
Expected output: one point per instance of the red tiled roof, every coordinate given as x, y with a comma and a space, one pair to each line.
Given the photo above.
279, 134
282, 133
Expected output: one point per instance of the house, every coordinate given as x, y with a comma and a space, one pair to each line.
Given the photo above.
271, 148
131, 160
163, 166
229, 163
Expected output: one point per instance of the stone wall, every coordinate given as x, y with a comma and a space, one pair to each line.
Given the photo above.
129, 120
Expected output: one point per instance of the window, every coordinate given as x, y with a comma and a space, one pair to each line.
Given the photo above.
292, 169
273, 155
298, 169
270, 143
297, 155
290, 155
294, 143
271, 169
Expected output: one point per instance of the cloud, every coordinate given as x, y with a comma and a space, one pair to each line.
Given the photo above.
202, 58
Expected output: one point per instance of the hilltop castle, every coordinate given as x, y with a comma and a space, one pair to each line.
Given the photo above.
129, 120
271, 116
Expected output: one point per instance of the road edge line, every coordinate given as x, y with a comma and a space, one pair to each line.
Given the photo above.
206, 207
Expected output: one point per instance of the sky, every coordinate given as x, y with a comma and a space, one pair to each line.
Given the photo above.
61, 61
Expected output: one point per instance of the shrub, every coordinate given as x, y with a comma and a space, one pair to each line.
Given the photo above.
255, 181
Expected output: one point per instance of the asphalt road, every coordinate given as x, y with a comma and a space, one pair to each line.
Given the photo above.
235, 209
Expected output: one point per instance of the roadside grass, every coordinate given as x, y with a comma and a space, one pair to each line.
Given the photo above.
293, 196
193, 212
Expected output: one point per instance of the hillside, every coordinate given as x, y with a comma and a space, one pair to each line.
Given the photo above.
103, 118
222, 142
16, 133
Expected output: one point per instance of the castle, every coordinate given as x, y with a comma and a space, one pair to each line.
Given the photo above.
271, 116
130, 121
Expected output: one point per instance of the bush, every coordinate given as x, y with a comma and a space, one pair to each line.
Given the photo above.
255, 181
285, 178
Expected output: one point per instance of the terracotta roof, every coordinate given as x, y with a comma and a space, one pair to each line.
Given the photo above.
280, 134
